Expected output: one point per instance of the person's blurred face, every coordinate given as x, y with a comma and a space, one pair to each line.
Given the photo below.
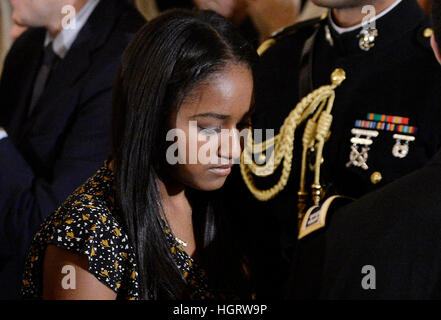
225, 8
210, 119
16, 31
37, 13
341, 4
425, 4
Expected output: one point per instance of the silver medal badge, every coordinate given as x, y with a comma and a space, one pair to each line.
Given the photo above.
401, 148
360, 147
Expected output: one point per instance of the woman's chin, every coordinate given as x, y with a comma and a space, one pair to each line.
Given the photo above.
212, 185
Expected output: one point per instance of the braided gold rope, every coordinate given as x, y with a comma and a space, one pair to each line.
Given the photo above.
283, 143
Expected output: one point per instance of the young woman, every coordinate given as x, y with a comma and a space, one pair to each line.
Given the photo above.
144, 227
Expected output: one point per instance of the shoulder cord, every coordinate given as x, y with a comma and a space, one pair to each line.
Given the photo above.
281, 146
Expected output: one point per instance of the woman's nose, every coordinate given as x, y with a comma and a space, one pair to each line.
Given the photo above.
230, 145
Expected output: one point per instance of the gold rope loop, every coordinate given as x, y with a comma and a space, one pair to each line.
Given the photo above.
279, 149
324, 125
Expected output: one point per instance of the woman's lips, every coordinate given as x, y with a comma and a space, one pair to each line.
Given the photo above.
221, 170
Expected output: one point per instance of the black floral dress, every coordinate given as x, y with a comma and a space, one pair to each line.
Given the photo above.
87, 224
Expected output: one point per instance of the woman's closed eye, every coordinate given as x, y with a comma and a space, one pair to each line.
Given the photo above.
209, 131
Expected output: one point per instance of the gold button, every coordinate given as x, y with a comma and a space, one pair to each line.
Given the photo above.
338, 76
376, 177
428, 32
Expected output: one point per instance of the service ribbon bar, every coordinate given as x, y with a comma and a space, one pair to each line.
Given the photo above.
385, 118
383, 126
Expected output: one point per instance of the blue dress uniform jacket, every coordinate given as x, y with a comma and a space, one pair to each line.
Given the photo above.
67, 137
392, 91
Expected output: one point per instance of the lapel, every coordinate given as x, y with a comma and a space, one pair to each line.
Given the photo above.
61, 95
29, 64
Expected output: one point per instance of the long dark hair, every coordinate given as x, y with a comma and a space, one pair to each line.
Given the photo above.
168, 58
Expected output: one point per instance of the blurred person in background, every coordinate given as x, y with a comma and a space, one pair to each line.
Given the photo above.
310, 11
9, 31
257, 19
268, 16
237, 12
55, 100
5, 27
152, 8
16, 31
426, 5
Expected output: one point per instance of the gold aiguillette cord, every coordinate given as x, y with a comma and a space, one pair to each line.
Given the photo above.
279, 149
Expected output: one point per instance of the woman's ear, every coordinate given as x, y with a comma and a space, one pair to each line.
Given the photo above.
435, 48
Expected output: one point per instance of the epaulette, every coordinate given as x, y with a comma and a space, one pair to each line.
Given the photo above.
278, 35
315, 217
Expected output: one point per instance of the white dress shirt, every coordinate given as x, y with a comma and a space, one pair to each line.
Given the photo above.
341, 30
64, 40
3, 133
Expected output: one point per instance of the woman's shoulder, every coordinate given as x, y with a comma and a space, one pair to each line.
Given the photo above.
87, 224
92, 203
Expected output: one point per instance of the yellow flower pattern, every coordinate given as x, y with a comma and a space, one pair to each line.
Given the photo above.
87, 223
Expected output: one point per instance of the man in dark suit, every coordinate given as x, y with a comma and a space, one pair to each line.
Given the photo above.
55, 106
386, 245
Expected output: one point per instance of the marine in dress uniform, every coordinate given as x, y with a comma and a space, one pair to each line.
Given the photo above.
385, 115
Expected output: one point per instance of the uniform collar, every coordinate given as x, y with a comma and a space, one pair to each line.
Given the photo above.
392, 24
64, 40
341, 30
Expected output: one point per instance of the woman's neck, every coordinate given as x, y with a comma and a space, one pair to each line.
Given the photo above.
178, 214
173, 199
